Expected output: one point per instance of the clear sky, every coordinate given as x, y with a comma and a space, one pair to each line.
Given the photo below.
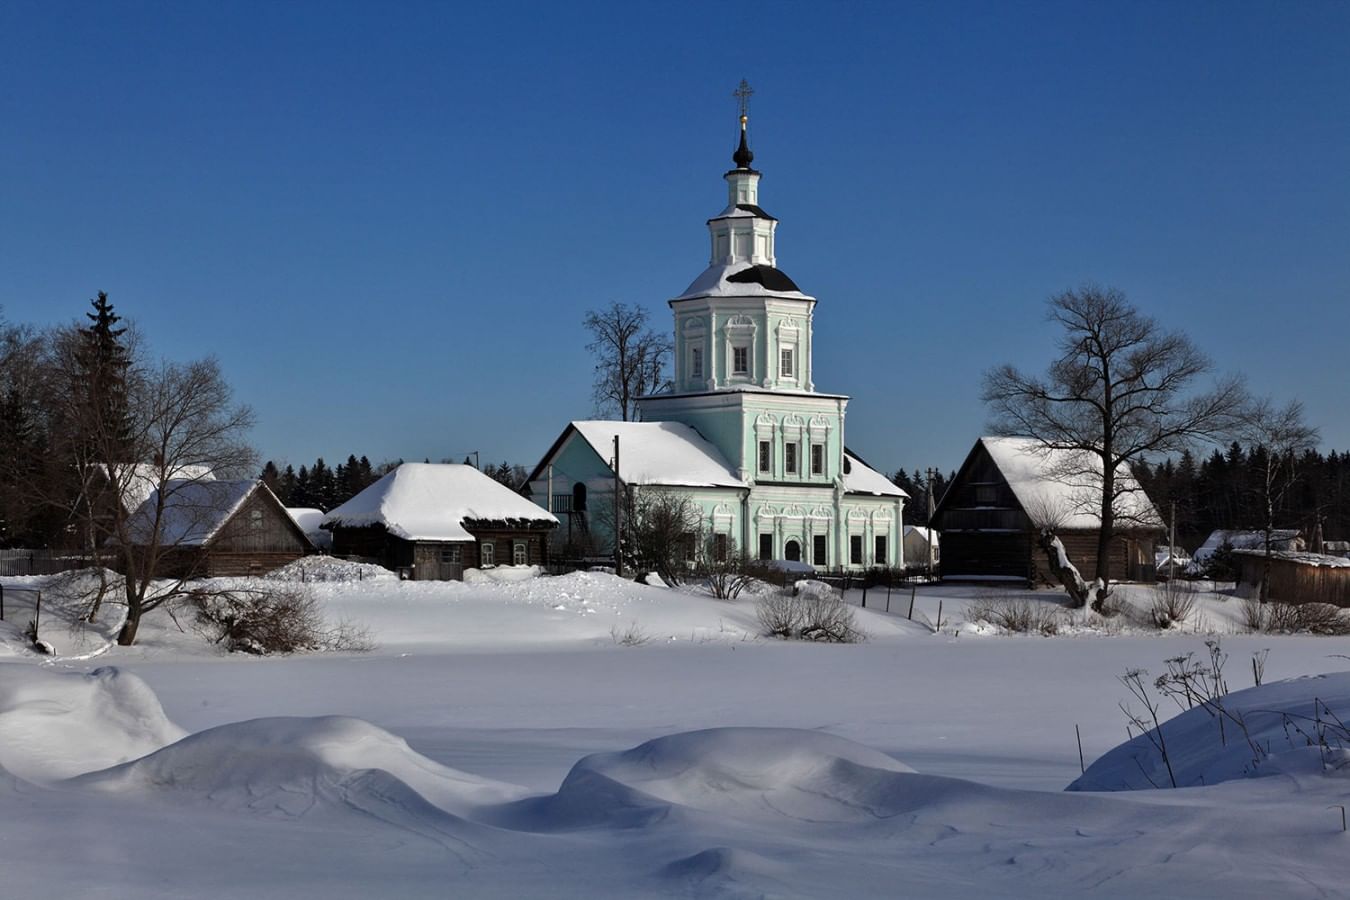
388, 219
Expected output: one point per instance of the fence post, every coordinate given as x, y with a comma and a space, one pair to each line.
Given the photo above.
2, 604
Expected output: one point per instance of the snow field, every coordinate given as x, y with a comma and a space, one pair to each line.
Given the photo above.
500, 742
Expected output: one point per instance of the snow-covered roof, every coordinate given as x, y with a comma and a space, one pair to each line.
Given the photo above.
1066, 484
1306, 559
927, 534
1280, 539
137, 481
432, 502
307, 518
664, 453
860, 478
716, 281
193, 511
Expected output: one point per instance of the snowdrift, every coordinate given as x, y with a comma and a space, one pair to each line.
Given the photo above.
291, 767
1283, 722
54, 725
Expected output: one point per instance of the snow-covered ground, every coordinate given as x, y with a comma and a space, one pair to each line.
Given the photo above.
586, 736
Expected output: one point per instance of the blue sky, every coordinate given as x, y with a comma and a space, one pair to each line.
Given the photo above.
387, 220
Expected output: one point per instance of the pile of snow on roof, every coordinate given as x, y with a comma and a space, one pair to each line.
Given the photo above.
192, 511
663, 453
432, 501
1065, 485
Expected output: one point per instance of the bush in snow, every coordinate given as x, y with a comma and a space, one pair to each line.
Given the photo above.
726, 569
282, 619
810, 616
1019, 614
1306, 618
1172, 603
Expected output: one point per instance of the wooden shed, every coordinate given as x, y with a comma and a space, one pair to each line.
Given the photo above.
1295, 577
989, 518
432, 521
208, 528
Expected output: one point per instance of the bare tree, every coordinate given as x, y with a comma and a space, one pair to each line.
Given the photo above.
185, 422
1282, 434
1123, 388
630, 358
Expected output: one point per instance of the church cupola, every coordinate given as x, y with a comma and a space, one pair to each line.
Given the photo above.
743, 232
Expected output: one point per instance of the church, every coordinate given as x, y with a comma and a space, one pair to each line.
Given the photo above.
744, 433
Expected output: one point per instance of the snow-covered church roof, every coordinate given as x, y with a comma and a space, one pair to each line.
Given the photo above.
860, 478
665, 453
1066, 484
742, 279
433, 501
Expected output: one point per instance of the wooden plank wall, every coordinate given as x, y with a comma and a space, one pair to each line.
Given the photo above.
1294, 582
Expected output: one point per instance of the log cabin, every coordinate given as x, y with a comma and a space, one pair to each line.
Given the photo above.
1008, 487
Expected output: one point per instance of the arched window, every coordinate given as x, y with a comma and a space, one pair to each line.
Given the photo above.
793, 551
578, 497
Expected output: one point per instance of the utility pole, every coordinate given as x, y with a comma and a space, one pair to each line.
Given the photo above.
1172, 545
618, 521
931, 473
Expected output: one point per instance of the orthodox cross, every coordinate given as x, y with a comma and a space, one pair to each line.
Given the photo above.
742, 95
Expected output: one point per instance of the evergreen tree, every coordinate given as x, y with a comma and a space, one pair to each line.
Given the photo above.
102, 415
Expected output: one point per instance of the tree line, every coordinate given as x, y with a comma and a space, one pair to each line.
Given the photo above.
1226, 490
325, 487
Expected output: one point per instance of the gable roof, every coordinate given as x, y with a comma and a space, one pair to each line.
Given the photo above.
1280, 539
194, 511
433, 501
136, 482
863, 479
658, 453
1065, 483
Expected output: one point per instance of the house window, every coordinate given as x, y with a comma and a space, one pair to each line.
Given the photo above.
817, 459
740, 360
451, 554
879, 557
855, 549
696, 363
720, 547
786, 369
766, 546
790, 458
765, 456
819, 550
520, 553
255, 520
687, 541
487, 554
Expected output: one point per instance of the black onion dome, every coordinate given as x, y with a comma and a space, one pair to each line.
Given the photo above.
767, 276
743, 157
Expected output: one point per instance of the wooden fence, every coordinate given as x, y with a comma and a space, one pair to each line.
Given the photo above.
40, 562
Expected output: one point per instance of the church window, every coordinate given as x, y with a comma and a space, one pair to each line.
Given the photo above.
766, 546
740, 360
696, 362
819, 550
817, 459
855, 548
765, 456
786, 367
879, 558
720, 547
790, 458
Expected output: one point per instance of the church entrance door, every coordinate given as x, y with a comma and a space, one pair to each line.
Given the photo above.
792, 551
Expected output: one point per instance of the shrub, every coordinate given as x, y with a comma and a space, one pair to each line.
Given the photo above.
1022, 615
282, 619
1307, 618
809, 616
1172, 603
632, 636
1253, 614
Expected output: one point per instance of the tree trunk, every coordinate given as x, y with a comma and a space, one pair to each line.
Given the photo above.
127, 636
1065, 572
1103, 573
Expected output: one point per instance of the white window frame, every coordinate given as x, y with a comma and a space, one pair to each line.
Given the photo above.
792, 457
737, 351
765, 456
817, 456
696, 362
487, 553
787, 362
520, 553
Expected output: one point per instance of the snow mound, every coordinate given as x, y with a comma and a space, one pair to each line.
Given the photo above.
744, 772
728, 872
1282, 721
289, 767
55, 725
501, 574
328, 568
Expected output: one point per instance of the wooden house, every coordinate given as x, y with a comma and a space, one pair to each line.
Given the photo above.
209, 528
432, 521
990, 517
1295, 576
